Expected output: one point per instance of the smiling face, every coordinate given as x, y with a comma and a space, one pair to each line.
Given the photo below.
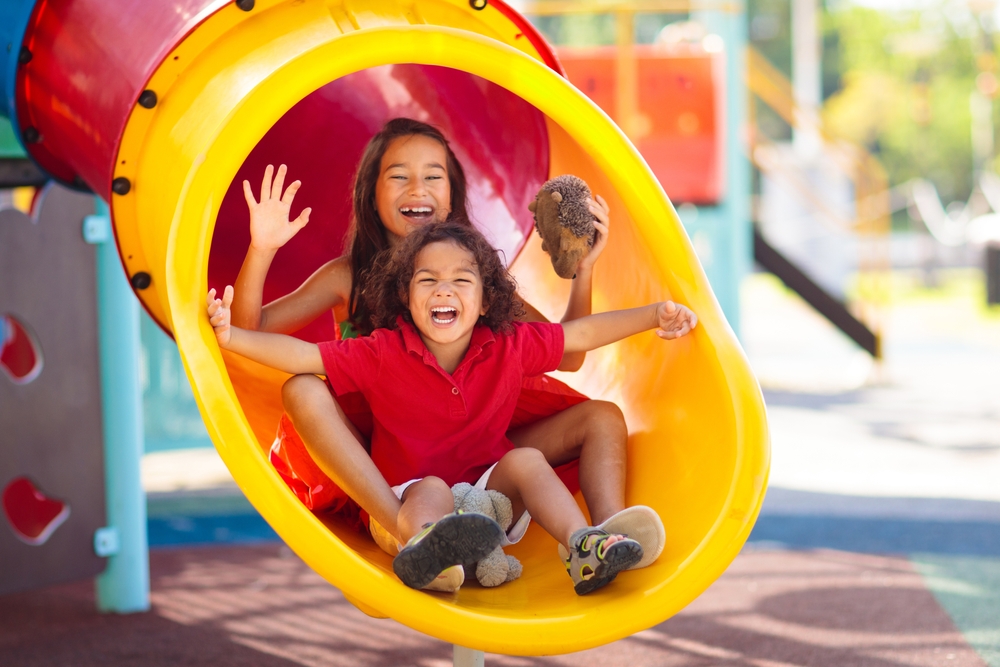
413, 187
446, 297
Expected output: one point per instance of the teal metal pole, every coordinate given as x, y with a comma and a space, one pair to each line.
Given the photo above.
124, 586
722, 234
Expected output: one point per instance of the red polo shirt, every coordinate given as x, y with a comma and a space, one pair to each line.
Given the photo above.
429, 422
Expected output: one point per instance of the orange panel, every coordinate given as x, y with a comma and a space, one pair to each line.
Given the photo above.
680, 104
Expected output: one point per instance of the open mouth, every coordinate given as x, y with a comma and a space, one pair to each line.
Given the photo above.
443, 314
417, 214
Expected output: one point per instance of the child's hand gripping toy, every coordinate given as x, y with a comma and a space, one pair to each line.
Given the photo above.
497, 567
565, 222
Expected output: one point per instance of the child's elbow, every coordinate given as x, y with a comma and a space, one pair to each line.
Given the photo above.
572, 361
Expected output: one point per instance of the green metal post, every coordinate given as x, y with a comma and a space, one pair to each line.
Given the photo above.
722, 234
124, 586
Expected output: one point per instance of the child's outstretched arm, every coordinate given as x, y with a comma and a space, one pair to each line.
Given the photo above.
275, 350
671, 320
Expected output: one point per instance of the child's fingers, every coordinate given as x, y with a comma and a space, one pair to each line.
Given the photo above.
265, 185
290, 192
248, 194
279, 182
227, 297
598, 211
303, 219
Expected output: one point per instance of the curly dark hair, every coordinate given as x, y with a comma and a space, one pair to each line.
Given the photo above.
387, 289
366, 237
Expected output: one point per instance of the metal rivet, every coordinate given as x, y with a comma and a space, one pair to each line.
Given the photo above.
147, 99
121, 185
24, 57
141, 280
478, 5
245, 5
31, 135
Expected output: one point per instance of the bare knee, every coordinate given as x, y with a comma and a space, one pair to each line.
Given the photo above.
433, 483
604, 416
525, 459
300, 388
429, 488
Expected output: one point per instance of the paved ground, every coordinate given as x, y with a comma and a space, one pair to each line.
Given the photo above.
259, 605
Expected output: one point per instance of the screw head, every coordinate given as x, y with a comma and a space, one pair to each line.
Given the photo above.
121, 185
478, 5
147, 99
141, 280
31, 135
245, 5
25, 56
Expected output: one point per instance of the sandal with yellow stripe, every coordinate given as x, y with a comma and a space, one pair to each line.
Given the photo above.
592, 563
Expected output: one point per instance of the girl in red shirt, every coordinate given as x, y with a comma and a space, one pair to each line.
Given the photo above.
408, 176
446, 307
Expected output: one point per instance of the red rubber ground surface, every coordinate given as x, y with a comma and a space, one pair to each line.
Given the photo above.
261, 606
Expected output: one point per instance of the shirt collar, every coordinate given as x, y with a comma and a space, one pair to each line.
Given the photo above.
481, 337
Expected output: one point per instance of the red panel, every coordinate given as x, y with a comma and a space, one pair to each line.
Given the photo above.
680, 97
91, 60
20, 358
30, 513
501, 141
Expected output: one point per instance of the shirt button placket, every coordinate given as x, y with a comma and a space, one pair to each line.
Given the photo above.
458, 408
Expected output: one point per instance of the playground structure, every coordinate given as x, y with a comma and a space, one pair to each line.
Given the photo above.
207, 92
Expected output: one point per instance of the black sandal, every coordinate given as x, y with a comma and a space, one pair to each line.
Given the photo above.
454, 539
593, 565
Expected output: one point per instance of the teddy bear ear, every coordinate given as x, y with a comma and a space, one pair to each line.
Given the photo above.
533, 205
557, 197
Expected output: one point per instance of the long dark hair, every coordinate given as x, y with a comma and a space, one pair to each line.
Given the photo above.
387, 291
366, 237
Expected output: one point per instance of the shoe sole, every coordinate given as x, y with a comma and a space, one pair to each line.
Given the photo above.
455, 539
619, 556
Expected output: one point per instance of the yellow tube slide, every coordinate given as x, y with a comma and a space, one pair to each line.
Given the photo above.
698, 447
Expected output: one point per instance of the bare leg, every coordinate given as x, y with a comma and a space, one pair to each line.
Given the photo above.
424, 502
595, 433
524, 476
334, 443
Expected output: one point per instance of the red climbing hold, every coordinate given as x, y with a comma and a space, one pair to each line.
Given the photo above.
32, 515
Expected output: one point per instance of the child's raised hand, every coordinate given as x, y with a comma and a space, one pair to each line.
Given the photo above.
602, 219
219, 314
269, 225
675, 320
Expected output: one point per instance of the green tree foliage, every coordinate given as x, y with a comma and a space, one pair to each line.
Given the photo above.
907, 79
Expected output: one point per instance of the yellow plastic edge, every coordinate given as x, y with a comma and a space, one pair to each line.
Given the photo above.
204, 163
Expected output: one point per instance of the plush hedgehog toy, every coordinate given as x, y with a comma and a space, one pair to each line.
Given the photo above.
564, 222
497, 567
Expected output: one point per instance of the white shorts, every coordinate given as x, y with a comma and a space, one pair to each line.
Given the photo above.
389, 544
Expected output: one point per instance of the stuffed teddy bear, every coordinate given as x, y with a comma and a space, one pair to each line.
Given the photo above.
564, 222
498, 567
